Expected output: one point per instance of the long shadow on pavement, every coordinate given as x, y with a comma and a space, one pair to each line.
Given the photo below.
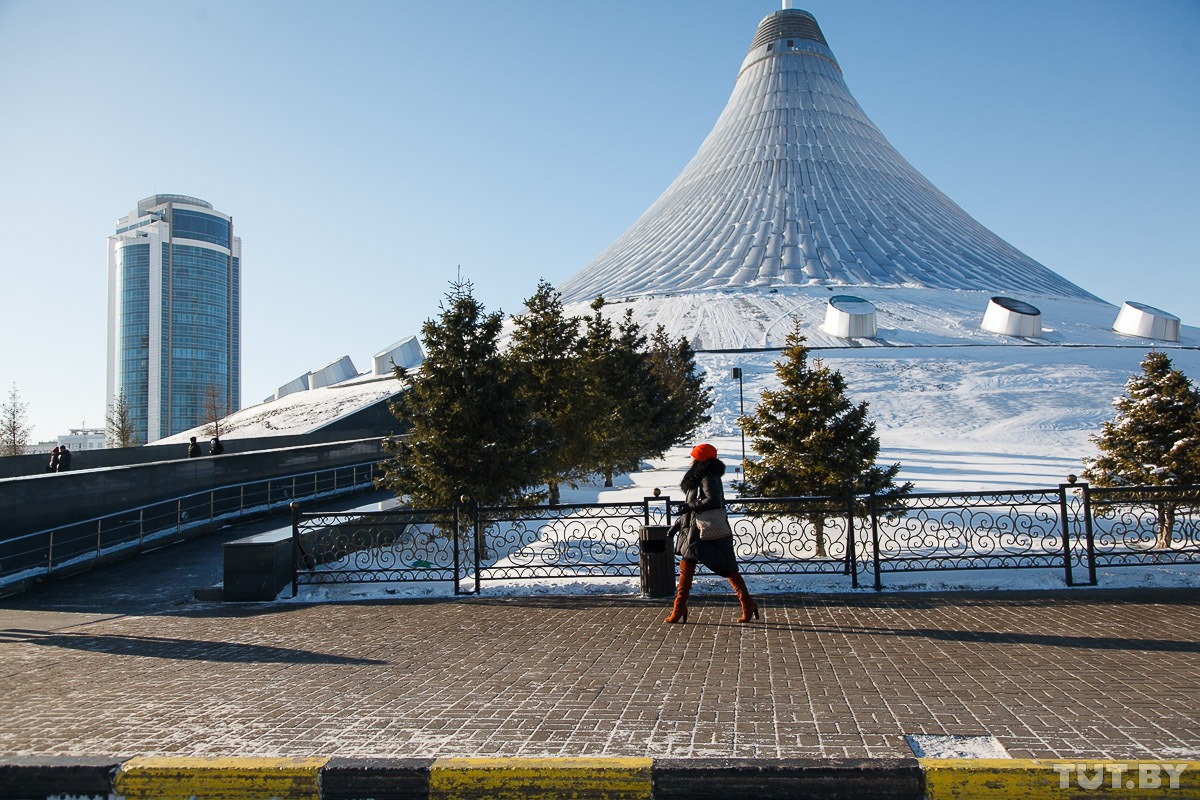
177, 649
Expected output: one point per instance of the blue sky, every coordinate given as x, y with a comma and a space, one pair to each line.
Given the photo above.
368, 151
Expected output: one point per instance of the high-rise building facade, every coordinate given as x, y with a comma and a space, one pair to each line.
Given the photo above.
174, 315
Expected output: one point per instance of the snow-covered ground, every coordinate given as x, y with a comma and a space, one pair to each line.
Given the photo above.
964, 419
959, 408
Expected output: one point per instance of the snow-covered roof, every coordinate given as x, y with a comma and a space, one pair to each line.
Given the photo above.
906, 317
299, 412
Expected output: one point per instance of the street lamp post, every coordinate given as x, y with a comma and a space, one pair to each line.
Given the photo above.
736, 374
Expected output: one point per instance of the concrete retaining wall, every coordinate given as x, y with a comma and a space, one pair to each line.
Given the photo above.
44, 501
35, 465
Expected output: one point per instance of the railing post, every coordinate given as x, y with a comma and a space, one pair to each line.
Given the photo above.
1065, 519
1088, 533
457, 542
875, 542
297, 549
50, 555
473, 511
851, 560
141, 526
99, 535
178, 515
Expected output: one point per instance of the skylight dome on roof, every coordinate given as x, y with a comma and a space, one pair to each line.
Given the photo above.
1010, 317
849, 317
1148, 322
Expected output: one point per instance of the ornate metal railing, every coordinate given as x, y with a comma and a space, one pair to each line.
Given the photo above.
1137, 526
798, 535
470, 545
579, 541
953, 531
1072, 528
386, 546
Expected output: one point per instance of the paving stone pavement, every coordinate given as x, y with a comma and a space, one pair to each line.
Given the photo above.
124, 662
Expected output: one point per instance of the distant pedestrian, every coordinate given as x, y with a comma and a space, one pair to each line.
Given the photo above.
64, 459
193, 448
53, 465
215, 448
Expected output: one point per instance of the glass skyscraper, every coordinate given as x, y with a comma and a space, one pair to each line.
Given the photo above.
174, 315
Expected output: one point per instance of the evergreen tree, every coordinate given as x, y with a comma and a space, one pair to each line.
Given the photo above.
543, 357
14, 429
685, 398
621, 392
121, 432
467, 432
1154, 440
812, 441
642, 398
606, 382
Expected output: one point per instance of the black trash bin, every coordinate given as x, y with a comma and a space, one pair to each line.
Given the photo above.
657, 562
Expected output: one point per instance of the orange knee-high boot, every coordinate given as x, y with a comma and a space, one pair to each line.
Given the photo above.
749, 607
687, 569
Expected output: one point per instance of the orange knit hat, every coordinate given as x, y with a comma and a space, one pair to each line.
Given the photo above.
704, 452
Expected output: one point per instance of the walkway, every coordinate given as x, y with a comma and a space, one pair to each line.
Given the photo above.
125, 662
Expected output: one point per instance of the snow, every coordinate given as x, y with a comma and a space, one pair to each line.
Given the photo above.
938, 746
931, 372
906, 317
664, 474
960, 409
299, 412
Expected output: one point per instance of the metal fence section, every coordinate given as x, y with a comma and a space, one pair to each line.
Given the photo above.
1138, 526
795, 536
954, 531
1072, 528
468, 545
598, 540
385, 546
78, 545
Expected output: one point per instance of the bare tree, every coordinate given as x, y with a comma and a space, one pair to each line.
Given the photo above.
215, 408
121, 430
14, 430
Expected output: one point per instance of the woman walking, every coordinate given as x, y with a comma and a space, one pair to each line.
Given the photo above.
703, 492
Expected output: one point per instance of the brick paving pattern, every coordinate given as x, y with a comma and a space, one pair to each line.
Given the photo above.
93, 667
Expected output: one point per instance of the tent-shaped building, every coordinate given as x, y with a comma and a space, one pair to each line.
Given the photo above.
796, 192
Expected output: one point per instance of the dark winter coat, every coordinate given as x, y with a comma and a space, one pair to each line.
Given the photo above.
193, 450
703, 490
64, 460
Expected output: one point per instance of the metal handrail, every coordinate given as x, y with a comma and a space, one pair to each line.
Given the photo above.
52, 550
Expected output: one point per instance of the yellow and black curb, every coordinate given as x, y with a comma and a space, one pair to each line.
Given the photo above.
322, 778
